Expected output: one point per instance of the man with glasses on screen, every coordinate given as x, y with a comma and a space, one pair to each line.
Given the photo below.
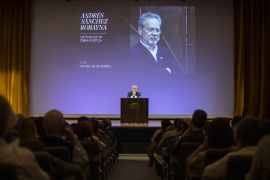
146, 56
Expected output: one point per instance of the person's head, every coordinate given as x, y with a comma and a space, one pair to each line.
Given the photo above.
109, 123
27, 129
219, 133
54, 123
83, 118
206, 126
165, 123
38, 123
105, 124
179, 125
248, 132
101, 125
186, 123
134, 88
198, 118
149, 28
83, 129
175, 122
266, 125
95, 124
20, 118
8, 119
236, 120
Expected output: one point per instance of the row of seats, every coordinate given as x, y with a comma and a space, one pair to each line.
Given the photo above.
101, 164
238, 165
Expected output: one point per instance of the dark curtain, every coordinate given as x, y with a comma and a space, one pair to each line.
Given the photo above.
251, 58
15, 38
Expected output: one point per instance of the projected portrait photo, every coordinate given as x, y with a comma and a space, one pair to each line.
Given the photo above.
160, 42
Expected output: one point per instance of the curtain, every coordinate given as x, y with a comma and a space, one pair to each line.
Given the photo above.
15, 36
251, 58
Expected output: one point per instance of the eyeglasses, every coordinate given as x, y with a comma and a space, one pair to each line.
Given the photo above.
158, 31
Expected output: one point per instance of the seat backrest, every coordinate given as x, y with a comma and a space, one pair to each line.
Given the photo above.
60, 152
34, 144
238, 166
8, 171
185, 151
87, 147
213, 155
44, 161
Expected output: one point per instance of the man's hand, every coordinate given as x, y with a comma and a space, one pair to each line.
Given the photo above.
134, 93
68, 133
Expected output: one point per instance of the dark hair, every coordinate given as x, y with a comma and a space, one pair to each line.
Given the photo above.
249, 130
179, 124
266, 125
236, 120
219, 133
206, 126
198, 118
175, 122
95, 124
27, 129
83, 118
165, 123
20, 117
83, 129
105, 124
38, 124
185, 126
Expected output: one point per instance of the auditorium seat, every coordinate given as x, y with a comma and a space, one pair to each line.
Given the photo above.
211, 156
8, 171
59, 152
44, 162
238, 166
178, 164
34, 144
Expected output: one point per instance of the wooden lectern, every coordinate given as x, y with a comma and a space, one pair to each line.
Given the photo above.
134, 110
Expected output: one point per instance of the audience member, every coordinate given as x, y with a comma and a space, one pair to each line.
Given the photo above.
20, 117
23, 159
172, 132
247, 134
260, 167
83, 118
165, 123
54, 127
84, 131
27, 129
266, 125
236, 120
206, 126
165, 142
219, 135
39, 127
96, 132
193, 134
108, 133
109, 128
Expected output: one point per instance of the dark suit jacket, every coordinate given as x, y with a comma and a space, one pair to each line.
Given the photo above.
51, 141
143, 61
138, 94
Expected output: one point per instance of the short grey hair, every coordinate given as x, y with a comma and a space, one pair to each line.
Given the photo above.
144, 16
53, 121
134, 85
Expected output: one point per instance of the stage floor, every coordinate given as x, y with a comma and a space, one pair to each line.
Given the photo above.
116, 123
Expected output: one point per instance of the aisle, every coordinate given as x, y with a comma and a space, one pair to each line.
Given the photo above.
133, 167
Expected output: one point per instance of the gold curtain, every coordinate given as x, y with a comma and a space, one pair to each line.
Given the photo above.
251, 58
15, 38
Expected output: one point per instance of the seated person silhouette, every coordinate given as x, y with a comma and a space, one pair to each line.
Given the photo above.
133, 93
